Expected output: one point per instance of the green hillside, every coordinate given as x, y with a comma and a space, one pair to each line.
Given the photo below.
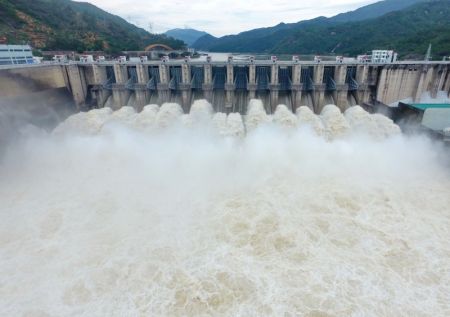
408, 31
69, 25
374, 10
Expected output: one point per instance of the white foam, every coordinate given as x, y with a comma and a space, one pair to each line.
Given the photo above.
235, 126
386, 126
146, 120
124, 113
256, 115
168, 114
219, 122
187, 120
190, 224
331, 123
334, 122
361, 121
186, 224
200, 114
284, 117
85, 122
125, 116
201, 110
307, 118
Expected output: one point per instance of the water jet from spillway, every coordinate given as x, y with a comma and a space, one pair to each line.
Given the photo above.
331, 123
163, 213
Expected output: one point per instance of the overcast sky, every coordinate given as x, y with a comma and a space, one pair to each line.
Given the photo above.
221, 17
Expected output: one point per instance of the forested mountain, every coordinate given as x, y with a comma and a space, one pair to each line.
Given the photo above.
65, 24
189, 36
374, 10
408, 31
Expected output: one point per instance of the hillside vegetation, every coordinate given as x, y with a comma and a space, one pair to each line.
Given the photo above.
69, 25
374, 10
408, 31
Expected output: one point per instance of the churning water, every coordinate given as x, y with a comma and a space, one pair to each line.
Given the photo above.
166, 214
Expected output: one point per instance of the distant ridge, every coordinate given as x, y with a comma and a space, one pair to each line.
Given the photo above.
188, 36
70, 25
407, 27
374, 10
206, 42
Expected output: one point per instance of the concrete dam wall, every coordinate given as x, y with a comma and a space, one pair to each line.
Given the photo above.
38, 95
228, 86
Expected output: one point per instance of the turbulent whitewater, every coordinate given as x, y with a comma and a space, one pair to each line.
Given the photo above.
161, 213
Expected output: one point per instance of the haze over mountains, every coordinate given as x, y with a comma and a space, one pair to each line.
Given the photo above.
407, 26
188, 36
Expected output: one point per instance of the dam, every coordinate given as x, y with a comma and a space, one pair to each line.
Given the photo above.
185, 207
229, 85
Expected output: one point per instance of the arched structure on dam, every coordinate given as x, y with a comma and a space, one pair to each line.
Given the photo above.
158, 47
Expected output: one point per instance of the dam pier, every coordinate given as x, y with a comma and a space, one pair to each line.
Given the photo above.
229, 85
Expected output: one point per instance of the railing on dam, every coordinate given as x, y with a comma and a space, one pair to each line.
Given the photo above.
246, 62
220, 63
